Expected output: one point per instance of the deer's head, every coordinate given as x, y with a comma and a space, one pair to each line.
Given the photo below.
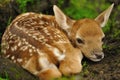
85, 34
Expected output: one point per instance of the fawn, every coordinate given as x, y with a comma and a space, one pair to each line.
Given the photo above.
85, 34
34, 41
42, 43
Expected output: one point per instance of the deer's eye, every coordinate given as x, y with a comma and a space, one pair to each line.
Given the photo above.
79, 41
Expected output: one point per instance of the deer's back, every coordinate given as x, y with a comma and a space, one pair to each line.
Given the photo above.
32, 35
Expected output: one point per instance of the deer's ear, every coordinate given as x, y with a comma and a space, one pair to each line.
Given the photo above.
64, 22
104, 16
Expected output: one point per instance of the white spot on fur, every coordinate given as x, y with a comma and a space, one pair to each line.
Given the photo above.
19, 60
33, 23
39, 52
3, 43
46, 22
24, 39
44, 62
26, 42
3, 51
31, 54
30, 50
61, 41
58, 54
7, 47
13, 57
14, 61
36, 72
19, 44
15, 47
41, 22
30, 45
40, 16
33, 47
11, 36
23, 48
12, 49
53, 24
7, 56
27, 63
29, 35
49, 46
36, 34
26, 14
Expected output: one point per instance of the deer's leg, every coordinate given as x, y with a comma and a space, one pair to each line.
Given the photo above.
49, 70
31, 65
70, 66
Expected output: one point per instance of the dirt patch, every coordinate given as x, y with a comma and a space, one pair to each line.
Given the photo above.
107, 69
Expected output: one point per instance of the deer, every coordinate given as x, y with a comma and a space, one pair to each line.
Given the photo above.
35, 43
49, 46
85, 34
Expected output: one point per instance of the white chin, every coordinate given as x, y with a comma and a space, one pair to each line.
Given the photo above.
95, 60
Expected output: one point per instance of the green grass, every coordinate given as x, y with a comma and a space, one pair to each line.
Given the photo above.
23, 4
3, 78
84, 9
6, 77
9, 20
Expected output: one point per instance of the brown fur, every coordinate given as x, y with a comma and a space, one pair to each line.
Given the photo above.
85, 34
35, 42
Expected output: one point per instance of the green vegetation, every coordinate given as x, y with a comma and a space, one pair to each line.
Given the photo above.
84, 8
60, 3
9, 20
3, 79
23, 4
66, 78
85, 70
6, 77
78, 9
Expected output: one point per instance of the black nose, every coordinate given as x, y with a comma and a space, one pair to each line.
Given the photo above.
98, 56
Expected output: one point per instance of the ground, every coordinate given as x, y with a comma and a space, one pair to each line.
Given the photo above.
107, 69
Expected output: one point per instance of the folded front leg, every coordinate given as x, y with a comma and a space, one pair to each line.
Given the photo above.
71, 64
49, 70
